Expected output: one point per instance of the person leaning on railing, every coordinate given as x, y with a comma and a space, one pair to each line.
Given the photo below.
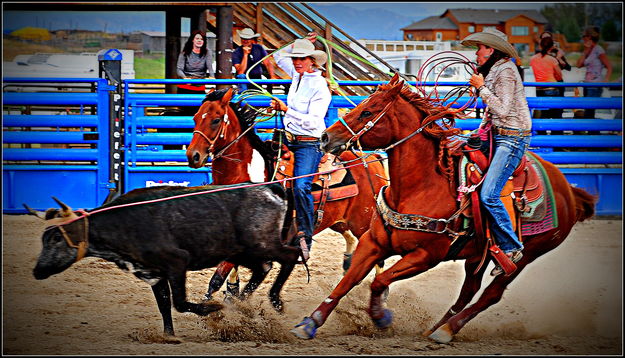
595, 60
195, 62
546, 68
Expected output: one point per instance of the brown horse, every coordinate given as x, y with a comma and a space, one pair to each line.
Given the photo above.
421, 167
223, 129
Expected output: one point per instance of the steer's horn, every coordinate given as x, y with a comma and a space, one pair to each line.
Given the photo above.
32, 212
66, 209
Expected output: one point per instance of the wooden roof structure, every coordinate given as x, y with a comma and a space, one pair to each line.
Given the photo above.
278, 23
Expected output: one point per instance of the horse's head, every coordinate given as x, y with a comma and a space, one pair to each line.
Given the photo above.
366, 123
211, 125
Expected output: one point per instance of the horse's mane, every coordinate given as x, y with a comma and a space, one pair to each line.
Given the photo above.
443, 133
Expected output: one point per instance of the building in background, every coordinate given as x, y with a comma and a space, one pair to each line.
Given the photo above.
523, 27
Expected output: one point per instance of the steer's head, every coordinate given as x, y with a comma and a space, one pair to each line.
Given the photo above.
57, 254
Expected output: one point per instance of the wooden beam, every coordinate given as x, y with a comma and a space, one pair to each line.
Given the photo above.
259, 20
172, 46
224, 43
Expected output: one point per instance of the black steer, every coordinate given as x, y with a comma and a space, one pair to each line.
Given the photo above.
160, 240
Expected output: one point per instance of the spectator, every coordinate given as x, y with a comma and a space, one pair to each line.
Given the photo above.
546, 69
195, 62
556, 52
249, 54
595, 60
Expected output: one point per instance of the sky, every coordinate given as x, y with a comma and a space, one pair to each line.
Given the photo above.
116, 22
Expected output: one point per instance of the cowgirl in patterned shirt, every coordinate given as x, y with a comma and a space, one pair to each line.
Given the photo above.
501, 88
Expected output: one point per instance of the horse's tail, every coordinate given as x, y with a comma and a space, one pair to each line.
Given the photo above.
584, 203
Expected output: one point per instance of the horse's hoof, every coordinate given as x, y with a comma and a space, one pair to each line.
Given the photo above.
305, 329
426, 333
385, 320
443, 334
347, 262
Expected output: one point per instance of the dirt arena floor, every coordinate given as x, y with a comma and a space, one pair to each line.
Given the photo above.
568, 302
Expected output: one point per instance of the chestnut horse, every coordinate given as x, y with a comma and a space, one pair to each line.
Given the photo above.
422, 177
219, 125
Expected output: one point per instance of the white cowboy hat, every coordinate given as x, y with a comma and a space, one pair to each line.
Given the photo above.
247, 34
305, 48
491, 38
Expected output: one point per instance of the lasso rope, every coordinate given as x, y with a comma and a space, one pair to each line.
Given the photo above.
223, 188
441, 61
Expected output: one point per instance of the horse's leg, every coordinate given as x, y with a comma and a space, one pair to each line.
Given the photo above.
232, 285
472, 283
491, 295
410, 265
218, 278
365, 257
350, 245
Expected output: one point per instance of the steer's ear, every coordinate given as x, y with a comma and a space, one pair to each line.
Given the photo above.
67, 211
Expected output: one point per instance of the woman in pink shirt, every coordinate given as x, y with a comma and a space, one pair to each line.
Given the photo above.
595, 60
546, 69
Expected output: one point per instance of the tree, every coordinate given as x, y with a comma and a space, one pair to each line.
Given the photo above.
609, 31
567, 18
570, 29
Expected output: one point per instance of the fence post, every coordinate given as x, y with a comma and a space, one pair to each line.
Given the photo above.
110, 65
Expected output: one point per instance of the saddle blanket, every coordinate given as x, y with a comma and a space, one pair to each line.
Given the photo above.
550, 219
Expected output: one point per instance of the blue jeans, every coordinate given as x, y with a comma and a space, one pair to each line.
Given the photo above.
591, 92
242, 86
307, 158
508, 152
548, 113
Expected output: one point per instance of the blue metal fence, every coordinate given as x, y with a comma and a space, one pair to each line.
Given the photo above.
77, 173
147, 163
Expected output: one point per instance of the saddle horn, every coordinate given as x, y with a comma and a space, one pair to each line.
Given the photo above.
32, 212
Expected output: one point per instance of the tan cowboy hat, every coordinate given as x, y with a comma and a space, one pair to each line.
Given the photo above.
247, 34
491, 38
305, 48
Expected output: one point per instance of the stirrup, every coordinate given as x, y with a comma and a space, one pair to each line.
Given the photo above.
304, 247
516, 257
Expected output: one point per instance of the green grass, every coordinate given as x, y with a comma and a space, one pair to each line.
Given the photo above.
150, 67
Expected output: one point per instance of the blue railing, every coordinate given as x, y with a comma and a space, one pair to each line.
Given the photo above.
79, 172
78, 175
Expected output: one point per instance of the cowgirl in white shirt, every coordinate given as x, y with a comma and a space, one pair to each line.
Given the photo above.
307, 104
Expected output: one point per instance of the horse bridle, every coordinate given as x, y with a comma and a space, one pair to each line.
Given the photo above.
370, 124
366, 128
395, 219
220, 133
